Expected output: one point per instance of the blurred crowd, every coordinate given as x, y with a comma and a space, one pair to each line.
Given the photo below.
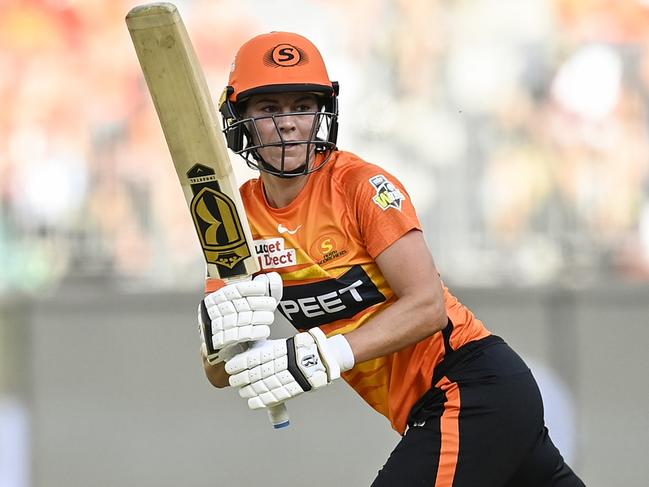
519, 127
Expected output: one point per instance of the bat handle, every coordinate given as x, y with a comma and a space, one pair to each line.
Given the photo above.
278, 416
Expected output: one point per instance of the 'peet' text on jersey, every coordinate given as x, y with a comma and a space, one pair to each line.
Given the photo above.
310, 305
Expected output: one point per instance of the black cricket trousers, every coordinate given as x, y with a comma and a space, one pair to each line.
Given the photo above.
480, 425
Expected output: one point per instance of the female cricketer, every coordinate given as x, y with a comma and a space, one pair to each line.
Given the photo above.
344, 259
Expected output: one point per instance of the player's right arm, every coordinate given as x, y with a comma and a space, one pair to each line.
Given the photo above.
215, 373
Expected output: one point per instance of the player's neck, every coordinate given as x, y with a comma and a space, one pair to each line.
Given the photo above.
281, 192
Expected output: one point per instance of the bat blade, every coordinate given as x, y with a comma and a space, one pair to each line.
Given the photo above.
193, 133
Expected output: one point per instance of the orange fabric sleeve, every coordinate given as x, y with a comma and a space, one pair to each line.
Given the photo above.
383, 208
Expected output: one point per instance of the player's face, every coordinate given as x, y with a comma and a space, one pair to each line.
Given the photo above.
283, 118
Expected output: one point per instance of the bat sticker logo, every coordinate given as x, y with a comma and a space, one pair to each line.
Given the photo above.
216, 220
387, 194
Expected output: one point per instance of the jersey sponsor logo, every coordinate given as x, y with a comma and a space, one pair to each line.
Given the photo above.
325, 249
387, 194
272, 254
310, 305
282, 229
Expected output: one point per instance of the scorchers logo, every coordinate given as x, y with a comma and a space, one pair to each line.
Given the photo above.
319, 303
272, 254
325, 249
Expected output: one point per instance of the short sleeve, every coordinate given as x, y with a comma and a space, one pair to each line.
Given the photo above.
382, 207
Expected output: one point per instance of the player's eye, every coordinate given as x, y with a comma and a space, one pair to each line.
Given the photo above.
270, 108
306, 107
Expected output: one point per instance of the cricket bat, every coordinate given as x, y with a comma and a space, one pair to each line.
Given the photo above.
198, 149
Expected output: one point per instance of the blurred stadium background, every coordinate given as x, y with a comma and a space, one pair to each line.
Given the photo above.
520, 128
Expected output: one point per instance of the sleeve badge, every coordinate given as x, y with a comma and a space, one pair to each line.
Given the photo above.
387, 194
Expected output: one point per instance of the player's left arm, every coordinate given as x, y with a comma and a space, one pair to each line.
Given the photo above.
273, 371
276, 370
419, 311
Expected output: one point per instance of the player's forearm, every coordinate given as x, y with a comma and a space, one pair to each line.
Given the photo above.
216, 373
408, 321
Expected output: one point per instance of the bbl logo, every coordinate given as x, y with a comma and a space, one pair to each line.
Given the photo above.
216, 219
387, 194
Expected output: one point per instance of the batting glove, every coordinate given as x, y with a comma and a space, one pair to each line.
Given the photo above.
236, 314
272, 371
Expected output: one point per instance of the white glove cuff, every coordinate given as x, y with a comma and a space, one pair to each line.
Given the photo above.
224, 354
342, 351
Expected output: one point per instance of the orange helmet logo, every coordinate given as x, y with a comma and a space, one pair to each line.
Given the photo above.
286, 55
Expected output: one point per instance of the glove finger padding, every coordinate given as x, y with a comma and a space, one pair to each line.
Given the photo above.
263, 375
272, 371
238, 312
274, 284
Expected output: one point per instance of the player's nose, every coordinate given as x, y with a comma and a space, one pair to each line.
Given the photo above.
286, 122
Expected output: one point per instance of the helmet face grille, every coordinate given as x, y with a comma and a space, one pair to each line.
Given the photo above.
250, 146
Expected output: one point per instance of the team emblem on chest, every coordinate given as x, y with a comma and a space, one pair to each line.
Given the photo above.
326, 249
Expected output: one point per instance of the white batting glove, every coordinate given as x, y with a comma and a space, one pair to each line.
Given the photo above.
236, 314
273, 371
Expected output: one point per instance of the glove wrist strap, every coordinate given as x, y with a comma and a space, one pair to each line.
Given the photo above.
342, 351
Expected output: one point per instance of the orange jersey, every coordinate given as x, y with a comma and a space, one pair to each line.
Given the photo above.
324, 244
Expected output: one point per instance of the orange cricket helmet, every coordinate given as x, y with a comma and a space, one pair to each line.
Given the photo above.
279, 62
